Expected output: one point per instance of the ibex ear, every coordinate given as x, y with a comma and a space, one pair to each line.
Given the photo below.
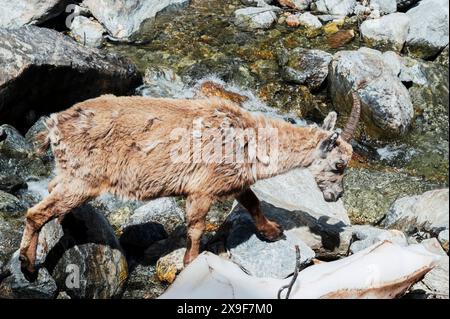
330, 121
328, 144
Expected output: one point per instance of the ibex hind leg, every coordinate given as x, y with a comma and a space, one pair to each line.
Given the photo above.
59, 202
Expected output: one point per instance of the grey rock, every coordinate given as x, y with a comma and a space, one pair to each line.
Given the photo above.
336, 7
16, 286
365, 236
384, 6
83, 255
259, 257
428, 31
169, 265
18, 13
164, 211
388, 32
151, 223
303, 66
11, 183
87, 32
386, 105
427, 212
123, 18
73, 73
296, 4
10, 205
10, 237
257, 3
255, 18
308, 20
142, 284
14, 145
406, 68
443, 57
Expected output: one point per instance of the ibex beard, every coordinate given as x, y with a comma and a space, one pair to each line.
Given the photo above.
136, 148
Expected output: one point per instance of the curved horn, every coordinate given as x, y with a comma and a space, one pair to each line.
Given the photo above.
352, 123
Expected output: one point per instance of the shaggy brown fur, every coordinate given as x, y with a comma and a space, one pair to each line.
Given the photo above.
122, 145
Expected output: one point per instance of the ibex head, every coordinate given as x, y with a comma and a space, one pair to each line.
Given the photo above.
334, 153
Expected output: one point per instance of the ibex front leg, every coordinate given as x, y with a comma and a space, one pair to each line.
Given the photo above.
267, 228
197, 208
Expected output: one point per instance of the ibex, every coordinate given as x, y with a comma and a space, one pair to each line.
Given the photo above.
124, 146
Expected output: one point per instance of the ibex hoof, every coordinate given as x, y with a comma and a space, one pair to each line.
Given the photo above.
28, 269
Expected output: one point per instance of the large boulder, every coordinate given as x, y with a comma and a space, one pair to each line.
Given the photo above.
42, 71
428, 31
18, 13
122, 18
387, 110
388, 32
427, 212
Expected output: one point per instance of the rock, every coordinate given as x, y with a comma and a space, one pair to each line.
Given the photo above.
150, 223
74, 73
142, 284
18, 13
369, 193
297, 190
170, 265
255, 18
123, 18
384, 6
116, 210
163, 82
428, 31
16, 286
403, 5
14, 145
386, 106
443, 58
296, 4
388, 32
258, 3
443, 239
303, 66
405, 68
87, 32
83, 255
435, 284
10, 237
308, 20
304, 19
11, 183
164, 211
428, 212
336, 7
10, 205
257, 256
361, 10
365, 236
340, 38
